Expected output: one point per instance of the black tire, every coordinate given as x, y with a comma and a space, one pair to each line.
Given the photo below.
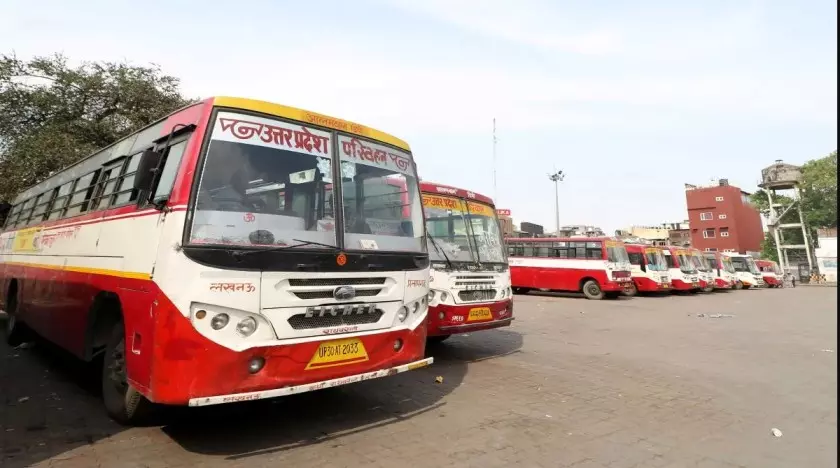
16, 332
631, 291
592, 290
123, 402
437, 339
738, 286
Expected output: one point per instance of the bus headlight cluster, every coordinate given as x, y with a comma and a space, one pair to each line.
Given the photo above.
506, 292
227, 325
441, 296
412, 308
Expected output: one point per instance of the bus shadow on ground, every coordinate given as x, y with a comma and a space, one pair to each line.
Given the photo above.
259, 428
569, 295
49, 404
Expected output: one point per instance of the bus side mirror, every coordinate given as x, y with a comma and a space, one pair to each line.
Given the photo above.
146, 169
642, 266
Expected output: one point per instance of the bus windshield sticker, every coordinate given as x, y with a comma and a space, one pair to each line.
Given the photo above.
371, 154
271, 133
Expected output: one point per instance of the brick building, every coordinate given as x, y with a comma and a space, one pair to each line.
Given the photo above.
721, 218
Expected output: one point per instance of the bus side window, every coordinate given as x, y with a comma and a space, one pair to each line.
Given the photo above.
542, 251
170, 169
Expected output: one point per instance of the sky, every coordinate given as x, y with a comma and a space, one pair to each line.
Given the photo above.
629, 99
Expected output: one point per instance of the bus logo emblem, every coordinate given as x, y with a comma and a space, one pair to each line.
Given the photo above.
344, 293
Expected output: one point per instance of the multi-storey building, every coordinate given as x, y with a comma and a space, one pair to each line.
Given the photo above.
722, 218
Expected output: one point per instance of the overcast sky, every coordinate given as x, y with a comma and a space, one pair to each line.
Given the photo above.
630, 98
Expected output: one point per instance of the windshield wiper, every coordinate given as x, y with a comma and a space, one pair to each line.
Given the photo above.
440, 251
302, 243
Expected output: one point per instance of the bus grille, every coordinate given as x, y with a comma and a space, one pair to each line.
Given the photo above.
336, 315
335, 281
329, 294
477, 295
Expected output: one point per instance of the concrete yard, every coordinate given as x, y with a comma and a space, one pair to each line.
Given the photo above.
642, 382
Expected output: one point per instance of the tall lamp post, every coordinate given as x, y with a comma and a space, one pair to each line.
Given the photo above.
556, 177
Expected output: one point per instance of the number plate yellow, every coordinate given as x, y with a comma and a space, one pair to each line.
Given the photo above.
480, 313
338, 353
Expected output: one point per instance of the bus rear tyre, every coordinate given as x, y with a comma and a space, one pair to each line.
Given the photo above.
592, 290
437, 339
16, 332
123, 402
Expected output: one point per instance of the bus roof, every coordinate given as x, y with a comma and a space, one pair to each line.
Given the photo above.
432, 187
192, 114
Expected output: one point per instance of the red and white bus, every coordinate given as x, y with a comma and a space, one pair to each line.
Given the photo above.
648, 269
704, 270
684, 275
202, 258
723, 270
597, 267
746, 271
771, 273
470, 280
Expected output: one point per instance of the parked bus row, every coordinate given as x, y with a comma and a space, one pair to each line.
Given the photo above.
286, 251
237, 250
607, 267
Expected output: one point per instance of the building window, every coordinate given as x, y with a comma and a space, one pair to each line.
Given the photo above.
724, 232
729, 250
707, 216
721, 216
718, 198
711, 249
709, 233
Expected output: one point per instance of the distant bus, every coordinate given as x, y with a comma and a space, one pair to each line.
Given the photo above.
746, 270
771, 273
648, 269
206, 259
723, 270
684, 274
597, 267
704, 270
470, 279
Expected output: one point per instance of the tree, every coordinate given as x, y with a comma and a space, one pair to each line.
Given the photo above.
819, 191
768, 248
53, 114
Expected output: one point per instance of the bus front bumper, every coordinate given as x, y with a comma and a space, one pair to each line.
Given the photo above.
295, 389
680, 285
645, 284
452, 319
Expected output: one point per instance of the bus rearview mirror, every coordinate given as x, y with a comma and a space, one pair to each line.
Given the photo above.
145, 176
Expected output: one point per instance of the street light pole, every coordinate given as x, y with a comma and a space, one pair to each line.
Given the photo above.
556, 177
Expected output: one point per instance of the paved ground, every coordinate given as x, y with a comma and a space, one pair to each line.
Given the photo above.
642, 382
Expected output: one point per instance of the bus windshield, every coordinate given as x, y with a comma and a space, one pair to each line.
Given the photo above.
655, 260
686, 263
699, 262
265, 182
464, 231
727, 265
616, 252
752, 267
485, 232
741, 264
447, 227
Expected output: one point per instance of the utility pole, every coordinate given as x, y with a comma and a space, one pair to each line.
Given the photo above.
556, 177
495, 195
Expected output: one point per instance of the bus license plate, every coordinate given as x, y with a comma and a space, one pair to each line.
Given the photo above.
479, 313
338, 353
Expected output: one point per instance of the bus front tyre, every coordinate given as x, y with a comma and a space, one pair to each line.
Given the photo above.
437, 339
123, 402
630, 291
592, 290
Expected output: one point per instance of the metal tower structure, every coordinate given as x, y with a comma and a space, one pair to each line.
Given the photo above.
781, 177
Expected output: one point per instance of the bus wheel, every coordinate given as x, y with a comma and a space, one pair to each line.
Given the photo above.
16, 331
122, 401
592, 290
437, 339
630, 291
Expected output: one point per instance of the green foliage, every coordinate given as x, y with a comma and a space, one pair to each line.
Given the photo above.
819, 191
53, 114
768, 248
762, 204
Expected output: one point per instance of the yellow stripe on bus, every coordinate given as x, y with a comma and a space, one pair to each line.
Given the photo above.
94, 271
309, 117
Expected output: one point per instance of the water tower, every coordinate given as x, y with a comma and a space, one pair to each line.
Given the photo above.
785, 178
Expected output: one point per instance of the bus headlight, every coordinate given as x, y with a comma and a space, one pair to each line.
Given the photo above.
247, 326
415, 307
402, 314
219, 321
443, 297
430, 296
